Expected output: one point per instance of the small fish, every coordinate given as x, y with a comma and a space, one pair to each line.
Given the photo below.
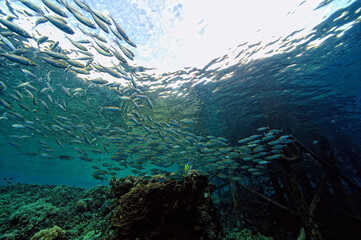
60, 24
40, 21
262, 129
2, 86
276, 156
32, 6
245, 140
54, 62
274, 131
29, 74
126, 51
55, 55
15, 28
277, 147
275, 142
119, 29
112, 109
101, 51
65, 157
252, 170
44, 105
284, 137
18, 59
7, 42
5, 104
98, 81
100, 15
28, 93
17, 126
100, 23
78, 45
42, 40
24, 107
83, 20
55, 8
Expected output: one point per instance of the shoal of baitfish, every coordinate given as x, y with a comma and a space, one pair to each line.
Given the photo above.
113, 147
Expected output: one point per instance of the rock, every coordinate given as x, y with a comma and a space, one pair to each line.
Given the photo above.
54, 233
166, 210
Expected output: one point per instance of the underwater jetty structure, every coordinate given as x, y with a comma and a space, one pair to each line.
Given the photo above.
309, 188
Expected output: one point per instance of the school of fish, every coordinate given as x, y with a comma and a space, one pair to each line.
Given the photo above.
112, 135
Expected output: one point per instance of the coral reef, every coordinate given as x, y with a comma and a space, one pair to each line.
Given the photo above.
246, 234
26, 209
165, 208
7, 236
54, 233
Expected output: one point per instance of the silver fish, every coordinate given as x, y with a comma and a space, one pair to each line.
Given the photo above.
54, 8
18, 59
59, 24
15, 28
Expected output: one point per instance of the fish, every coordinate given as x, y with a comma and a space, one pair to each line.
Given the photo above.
119, 28
126, 51
111, 72
7, 42
32, 6
79, 70
65, 90
70, 7
24, 107
262, 129
11, 9
81, 5
98, 81
39, 21
65, 157
55, 55
18, 59
101, 45
55, 8
42, 40
75, 63
189, 121
117, 54
101, 51
113, 109
100, 15
116, 33
5, 104
2, 86
273, 157
19, 51
15, 28
76, 44
83, 20
60, 24
54, 62
100, 23
44, 105
14, 97
86, 52
130, 42
284, 137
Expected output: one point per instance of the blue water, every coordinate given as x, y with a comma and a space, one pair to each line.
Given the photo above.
309, 92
